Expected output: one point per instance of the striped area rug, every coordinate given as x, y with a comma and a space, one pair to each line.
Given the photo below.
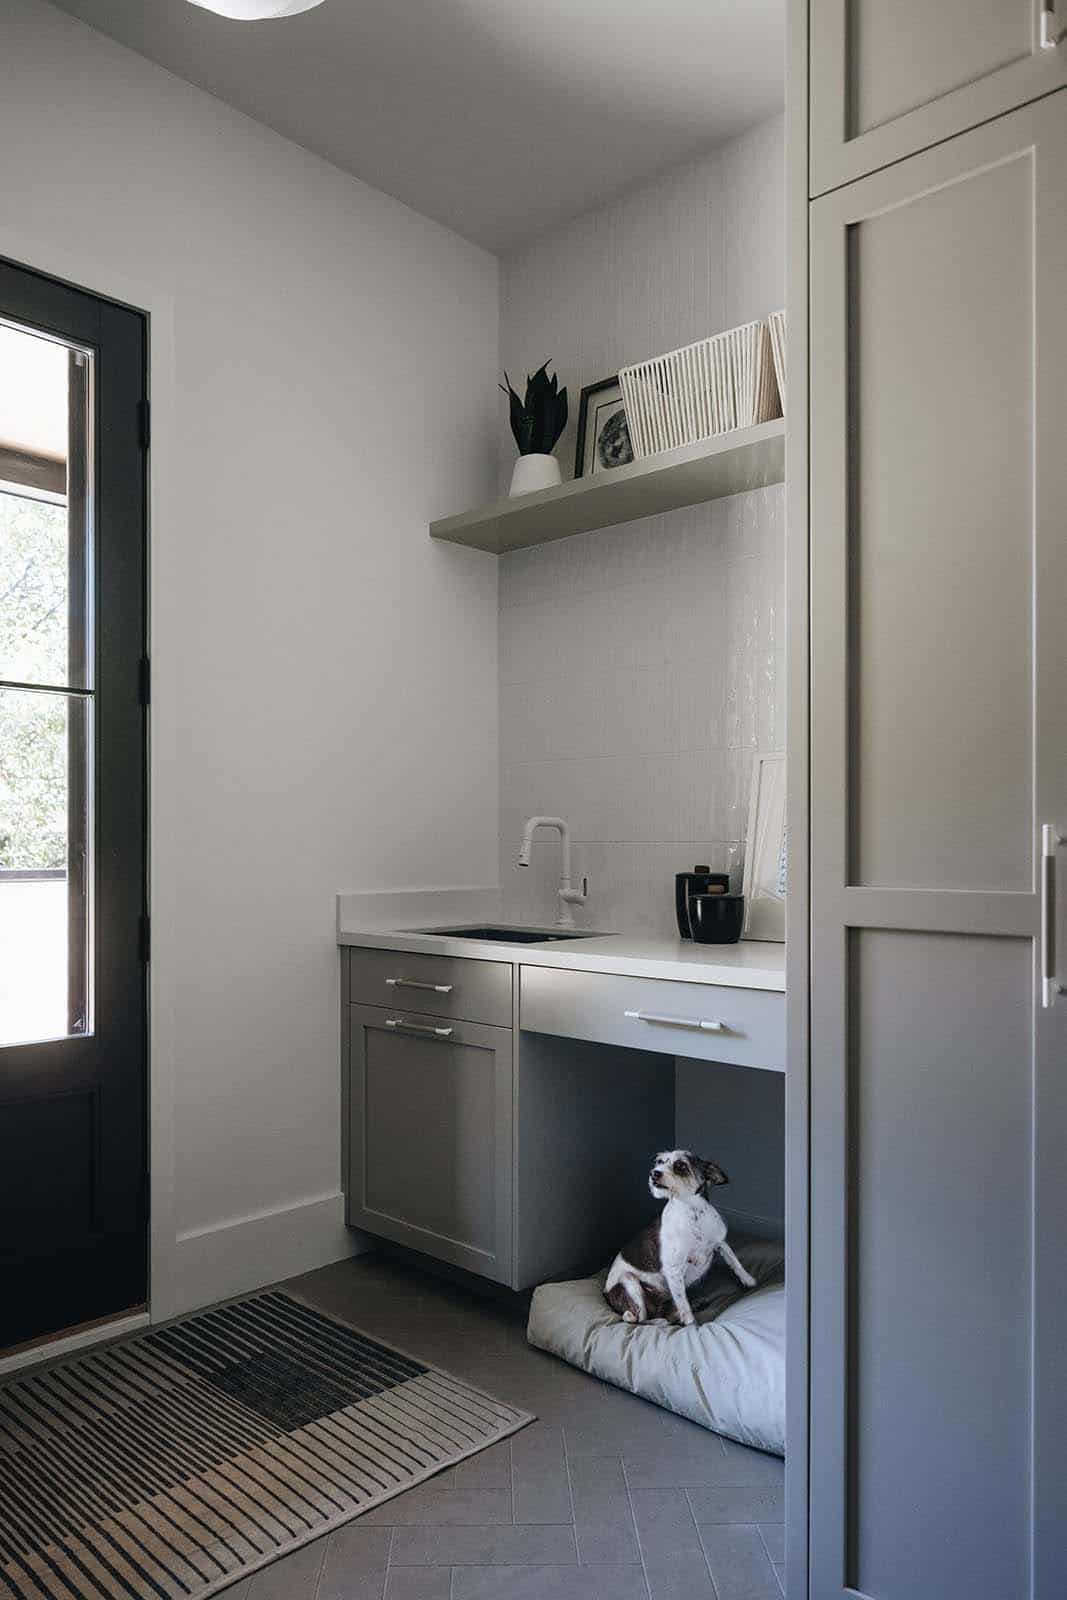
182, 1459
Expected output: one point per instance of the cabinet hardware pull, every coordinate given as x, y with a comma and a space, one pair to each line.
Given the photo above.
418, 1027
1051, 839
1049, 36
700, 1024
414, 983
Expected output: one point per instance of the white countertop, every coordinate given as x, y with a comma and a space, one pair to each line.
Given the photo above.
405, 920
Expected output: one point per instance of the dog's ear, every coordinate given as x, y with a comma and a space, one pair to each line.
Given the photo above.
713, 1173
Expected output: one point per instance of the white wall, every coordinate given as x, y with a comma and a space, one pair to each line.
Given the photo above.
641, 666
324, 678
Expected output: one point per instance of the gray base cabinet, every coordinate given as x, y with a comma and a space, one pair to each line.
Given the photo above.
518, 1156
430, 1136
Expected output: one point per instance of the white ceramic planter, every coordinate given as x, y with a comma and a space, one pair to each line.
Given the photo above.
535, 472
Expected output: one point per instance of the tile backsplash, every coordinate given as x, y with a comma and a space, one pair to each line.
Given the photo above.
640, 668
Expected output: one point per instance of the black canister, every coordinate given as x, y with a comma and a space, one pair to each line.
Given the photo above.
700, 881
716, 918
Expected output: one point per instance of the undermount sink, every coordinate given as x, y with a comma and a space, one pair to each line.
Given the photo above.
512, 935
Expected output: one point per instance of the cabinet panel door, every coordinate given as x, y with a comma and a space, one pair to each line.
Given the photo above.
890, 79
939, 747
430, 1147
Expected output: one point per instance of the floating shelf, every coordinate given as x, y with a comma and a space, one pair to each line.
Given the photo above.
727, 463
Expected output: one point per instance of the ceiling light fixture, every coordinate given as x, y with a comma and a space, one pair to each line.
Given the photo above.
255, 10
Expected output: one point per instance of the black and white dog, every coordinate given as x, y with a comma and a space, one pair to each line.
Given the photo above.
648, 1277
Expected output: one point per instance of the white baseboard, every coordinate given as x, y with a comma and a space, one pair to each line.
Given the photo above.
246, 1253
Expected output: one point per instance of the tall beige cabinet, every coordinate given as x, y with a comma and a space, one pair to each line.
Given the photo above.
929, 542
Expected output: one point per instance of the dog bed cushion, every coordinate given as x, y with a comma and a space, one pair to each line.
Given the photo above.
727, 1372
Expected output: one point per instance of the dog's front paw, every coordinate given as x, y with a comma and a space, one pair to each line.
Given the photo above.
629, 1316
747, 1279
686, 1319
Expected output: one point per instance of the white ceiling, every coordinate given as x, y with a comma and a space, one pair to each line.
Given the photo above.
499, 118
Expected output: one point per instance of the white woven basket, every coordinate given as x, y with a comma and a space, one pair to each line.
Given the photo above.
776, 327
755, 386
708, 387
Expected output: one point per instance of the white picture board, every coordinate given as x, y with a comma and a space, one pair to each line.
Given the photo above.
765, 860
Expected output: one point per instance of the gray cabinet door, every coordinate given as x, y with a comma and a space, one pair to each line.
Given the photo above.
891, 77
938, 1374
430, 1148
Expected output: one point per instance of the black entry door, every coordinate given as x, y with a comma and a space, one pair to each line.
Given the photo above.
73, 1189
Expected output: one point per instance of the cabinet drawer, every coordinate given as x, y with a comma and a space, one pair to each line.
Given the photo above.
708, 1021
440, 986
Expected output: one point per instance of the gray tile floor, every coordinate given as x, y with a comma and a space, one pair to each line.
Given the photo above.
604, 1497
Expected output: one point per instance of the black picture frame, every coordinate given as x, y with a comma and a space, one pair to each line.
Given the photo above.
589, 394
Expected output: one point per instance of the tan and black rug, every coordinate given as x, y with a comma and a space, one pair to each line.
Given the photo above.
179, 1460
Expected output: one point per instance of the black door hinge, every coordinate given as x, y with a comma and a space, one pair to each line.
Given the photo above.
144, 680
144, 940
144, 423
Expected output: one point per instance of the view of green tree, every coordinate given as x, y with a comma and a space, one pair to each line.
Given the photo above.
33, 649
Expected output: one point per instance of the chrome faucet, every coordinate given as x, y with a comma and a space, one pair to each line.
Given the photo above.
568, 895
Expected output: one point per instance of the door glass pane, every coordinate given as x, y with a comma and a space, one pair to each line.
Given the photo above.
43, 858
44, 433
45, 854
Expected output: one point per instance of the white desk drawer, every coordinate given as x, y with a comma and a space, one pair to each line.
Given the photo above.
708, 1021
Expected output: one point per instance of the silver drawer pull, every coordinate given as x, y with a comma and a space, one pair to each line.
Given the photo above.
698, 1024
414, 983
418, 1027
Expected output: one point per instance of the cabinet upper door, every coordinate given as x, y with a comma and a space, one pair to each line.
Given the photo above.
938, 1109
889, 79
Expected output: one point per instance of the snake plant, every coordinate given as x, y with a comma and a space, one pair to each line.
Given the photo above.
538, 420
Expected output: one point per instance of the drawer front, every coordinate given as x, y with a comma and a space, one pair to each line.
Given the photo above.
708, 1021
439, 986
430, 1136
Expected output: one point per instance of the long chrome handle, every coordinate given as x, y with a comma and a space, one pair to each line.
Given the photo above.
698, 1024
1051, 839
418, 1027
414, 983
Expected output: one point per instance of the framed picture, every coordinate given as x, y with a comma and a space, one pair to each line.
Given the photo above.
603, 432
765, 862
